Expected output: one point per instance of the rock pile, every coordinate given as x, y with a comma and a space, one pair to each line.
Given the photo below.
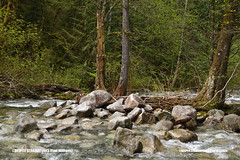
122, 115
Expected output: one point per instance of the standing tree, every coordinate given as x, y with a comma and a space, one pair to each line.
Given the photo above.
100, 59
214, 85
11, 12
123, 81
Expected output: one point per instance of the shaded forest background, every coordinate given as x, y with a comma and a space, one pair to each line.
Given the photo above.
54, 42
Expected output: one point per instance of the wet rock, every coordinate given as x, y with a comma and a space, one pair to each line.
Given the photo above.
230, 122
201, 116
145, 118
70, 120
50, 112
63, 114
35, 135
87, 125
123, 122
215, 116
151, 144
98, 98
84, 110
126, 142
148, 108
117, 114
164, 125
102, 113
165, 116
133, 101
25, 123
49, 104
63, 128
134, 113
185, 115
183, 135
178, 126
116, 106
47, 126
163, 135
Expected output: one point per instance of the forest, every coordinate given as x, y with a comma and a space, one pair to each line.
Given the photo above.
171, 45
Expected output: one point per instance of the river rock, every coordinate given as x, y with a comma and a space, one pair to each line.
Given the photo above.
117, 114
163, 135
50, 112
183, 135
101, 113
230, 122
133, 101
70, 120
87, 125
215, 117
185, 115
164, 115
25, 123
201, 116
148, 108
164, 125
63, 128
123, 122
145, 118
134, 113
126, 142
47, 126
116, 106
98, 98
85, 109
63, 114
151, 144
35, 135
49, 104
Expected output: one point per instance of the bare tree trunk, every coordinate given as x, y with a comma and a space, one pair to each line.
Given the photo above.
212, 33
123, 81
101, 55
11, 12
180, 48
218, 71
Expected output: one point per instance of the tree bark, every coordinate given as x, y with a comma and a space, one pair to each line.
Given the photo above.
218, 72
121, 89
212, 33
101, 55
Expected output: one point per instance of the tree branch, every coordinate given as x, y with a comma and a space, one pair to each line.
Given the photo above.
110, 10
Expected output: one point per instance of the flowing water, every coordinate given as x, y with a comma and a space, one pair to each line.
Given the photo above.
96, 144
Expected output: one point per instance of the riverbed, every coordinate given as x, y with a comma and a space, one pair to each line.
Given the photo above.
96, 143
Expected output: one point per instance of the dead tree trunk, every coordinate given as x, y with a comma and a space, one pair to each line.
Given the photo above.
101, 55
218, 72
123, 81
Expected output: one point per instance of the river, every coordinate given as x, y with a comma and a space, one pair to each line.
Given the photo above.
96, 143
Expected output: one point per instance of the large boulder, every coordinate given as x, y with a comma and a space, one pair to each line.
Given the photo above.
151, 144
126, 142
117, 114
133, 101
185, 115
164, 115
116, 106
123, 122
98, 98
183, 135
230, 122
25, 123
215, 117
